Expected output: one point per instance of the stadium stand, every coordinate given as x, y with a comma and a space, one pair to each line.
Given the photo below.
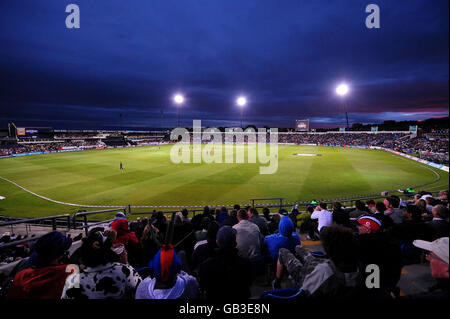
171, 257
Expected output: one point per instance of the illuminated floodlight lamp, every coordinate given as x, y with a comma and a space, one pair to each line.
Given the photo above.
342, 89
241, 101
178, 99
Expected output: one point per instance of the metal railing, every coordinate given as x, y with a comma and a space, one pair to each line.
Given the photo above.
54, 221
86, 224
74, 222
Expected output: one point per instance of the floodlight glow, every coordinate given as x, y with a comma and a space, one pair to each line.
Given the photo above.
178, 98
342, 89
241, 101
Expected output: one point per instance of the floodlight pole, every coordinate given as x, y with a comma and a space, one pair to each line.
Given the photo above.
346, 114
242, 111
178, 116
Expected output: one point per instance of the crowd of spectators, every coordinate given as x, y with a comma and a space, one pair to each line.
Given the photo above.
432, 146
219, 253
9, 149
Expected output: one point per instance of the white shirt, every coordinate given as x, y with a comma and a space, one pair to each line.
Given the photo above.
325, 218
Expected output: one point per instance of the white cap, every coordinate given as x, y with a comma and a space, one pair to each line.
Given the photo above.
439, 247
424, 197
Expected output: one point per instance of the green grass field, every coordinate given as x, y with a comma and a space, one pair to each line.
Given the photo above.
150, 178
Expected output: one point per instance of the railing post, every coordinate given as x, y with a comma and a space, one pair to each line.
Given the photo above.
54, 224
85, 224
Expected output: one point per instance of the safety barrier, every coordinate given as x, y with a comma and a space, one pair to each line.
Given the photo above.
37, 221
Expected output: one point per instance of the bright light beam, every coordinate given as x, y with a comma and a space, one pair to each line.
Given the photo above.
342, 89
241, 101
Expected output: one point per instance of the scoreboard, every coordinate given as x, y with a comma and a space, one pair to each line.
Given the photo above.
302, 125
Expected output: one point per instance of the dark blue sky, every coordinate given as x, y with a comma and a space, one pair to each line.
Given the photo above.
286, 56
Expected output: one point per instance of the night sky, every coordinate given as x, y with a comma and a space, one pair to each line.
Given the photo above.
286, 56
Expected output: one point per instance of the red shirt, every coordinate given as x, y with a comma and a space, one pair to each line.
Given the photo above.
39, 283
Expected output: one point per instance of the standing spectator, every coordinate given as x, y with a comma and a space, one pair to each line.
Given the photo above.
47, 275
168, 281
324, 216
102, 276
248, 237
226, 274
258, 221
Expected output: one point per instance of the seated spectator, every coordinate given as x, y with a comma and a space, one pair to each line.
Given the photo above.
168, 281
272, 224
293, 216
258, 221
368, 224
126, 238
149, 245
185, 217
159, 221
431, 202
183, 235
266, 214
233, 217
360, 210
47, 275
222, 216
422, 204
226, 274
324, 216
340, 216
443, 197
101, 277
393, 210
379, 248
386, 221
204, 249
201, 231
439, 223
412, 228
338, 276
438, 258
137, 227
286, 238
248, 237
124, 235
371, 205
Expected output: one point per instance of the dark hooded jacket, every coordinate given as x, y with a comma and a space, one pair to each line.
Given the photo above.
286, 238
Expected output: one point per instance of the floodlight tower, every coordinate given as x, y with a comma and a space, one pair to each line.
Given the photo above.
178, 99
241, 102
342, 91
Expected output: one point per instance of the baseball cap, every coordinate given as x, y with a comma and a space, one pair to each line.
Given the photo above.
370, 222
439, 247
424, 197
